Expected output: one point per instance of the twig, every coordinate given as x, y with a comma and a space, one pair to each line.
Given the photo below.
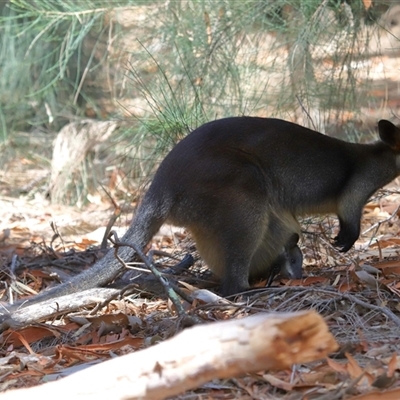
341, 391
351, 298
377, 224
116, 214
384, 310
289, 300
304, 109
171, 293
390, 314
124, 291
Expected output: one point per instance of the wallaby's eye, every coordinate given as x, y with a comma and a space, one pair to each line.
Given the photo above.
293, 260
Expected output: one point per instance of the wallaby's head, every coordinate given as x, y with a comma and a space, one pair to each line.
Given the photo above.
292, 268
289, 263
390, 135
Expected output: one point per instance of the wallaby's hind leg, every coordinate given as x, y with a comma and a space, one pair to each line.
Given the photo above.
229, 260
228, 248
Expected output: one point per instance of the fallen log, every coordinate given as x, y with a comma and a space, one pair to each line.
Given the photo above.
196, 356
25, 316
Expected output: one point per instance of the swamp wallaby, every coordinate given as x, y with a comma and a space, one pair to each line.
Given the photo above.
238, 184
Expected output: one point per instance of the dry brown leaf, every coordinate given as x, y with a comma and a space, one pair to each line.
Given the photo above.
119, 319
375, 395
24, 343
346, 287
72, 354
292, 282
352, 367
312, 280
395, 270
387, 264
341, 368
135, 342
389, 267
387, 242
84, 244
328, 379
356, 371
392, 366
395, 288
28, 335
278, 383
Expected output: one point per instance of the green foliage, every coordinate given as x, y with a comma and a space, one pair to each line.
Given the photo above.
39, 40
43, 63
42, 59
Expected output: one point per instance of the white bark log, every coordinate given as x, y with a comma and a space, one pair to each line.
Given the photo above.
195, 356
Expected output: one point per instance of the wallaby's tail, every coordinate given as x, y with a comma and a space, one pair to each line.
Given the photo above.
151, 214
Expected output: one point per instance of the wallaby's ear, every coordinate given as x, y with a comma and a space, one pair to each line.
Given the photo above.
389, 134
293, 240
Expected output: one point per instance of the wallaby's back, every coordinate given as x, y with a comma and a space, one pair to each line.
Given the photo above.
261, 155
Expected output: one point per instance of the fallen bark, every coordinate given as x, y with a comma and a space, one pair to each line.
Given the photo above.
195, 356
25, 316
12, 316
